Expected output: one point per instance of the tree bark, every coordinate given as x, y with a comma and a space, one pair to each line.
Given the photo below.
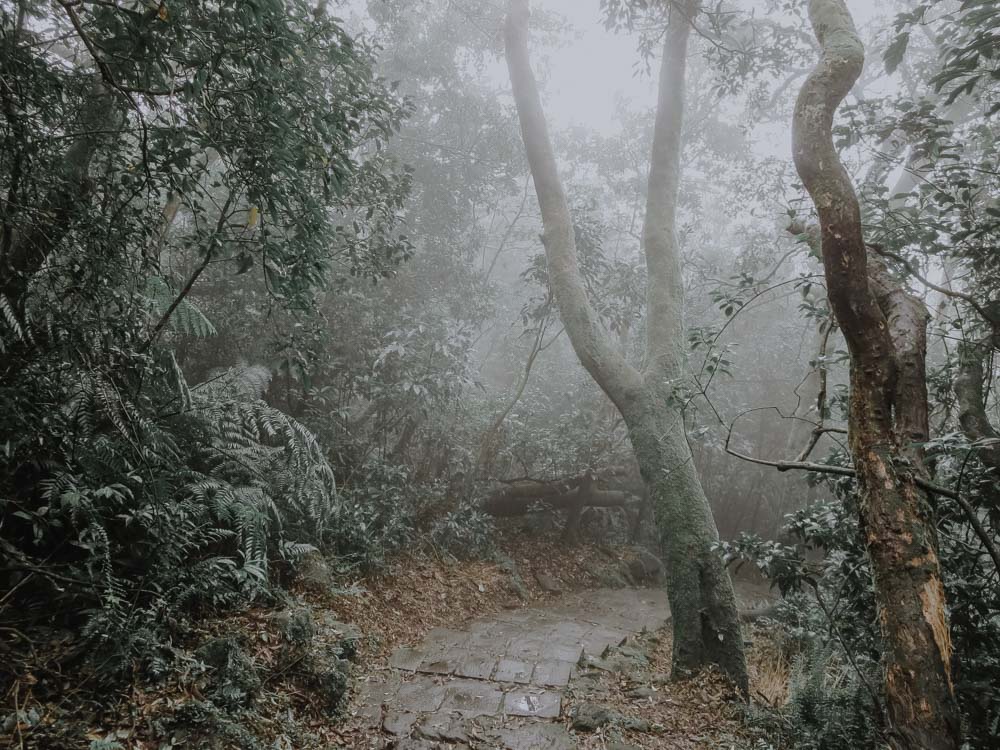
703, 606
895, 516
971, 399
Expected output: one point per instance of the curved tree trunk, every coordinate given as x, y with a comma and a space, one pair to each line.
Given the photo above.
895, 516
703, 606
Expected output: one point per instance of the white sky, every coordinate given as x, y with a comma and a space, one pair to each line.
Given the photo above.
594, 68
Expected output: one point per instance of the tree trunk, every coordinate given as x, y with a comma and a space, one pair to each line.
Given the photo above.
895, 516
971, 399
703, 607
702, 601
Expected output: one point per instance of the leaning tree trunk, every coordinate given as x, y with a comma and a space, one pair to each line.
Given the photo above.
703, 610
703, 606
895, 516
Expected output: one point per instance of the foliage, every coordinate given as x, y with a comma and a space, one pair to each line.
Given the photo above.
466, 532
377, 515
154, 509
824, 561
829, 706
186, 157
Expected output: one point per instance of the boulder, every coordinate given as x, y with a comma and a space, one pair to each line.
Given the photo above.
645, 567
548, 583
589, 717
314, 574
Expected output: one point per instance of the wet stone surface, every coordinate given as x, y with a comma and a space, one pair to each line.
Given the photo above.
499, 682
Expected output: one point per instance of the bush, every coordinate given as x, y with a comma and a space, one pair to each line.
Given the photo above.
825, 563
466, 532
830, 706
137, 510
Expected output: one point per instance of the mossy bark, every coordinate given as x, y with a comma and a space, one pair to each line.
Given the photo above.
703, 609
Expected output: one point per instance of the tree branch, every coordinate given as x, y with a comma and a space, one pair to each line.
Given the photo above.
593, 346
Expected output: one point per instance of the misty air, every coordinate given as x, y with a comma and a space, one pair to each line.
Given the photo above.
499, 374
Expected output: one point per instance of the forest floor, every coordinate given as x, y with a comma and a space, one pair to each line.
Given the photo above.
546, 645
533, 651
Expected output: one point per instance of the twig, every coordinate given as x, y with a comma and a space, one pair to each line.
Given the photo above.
165, 318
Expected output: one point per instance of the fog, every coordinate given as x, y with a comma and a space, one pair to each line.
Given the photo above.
413, 312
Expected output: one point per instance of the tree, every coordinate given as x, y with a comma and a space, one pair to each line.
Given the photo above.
703, 605
884, 331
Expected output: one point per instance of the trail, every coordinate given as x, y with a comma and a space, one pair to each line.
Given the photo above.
515, 680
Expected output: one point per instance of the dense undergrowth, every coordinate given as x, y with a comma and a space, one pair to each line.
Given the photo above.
828, 626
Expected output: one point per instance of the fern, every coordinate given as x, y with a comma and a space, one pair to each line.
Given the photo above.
829, 706
176, 505
186, 318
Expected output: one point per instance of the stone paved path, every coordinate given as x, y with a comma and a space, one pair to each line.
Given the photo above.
499, 682
514, 664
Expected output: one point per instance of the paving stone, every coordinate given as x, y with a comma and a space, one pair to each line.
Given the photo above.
552, 673
513, 670
443, 728
410, 744
420, 696
407, 659
372, 695
544, 704
527, 649
445, 662
569, 632
477, 667
398, 723
446, 638
542, 645
537, 736
472, 698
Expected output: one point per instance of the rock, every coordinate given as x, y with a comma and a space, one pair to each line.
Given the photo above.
234, 679
295, 624
638, 677
610, 578
326, 676
548, 583
314, 574
641, 693
635, 725
348, 635
622, 746
589, 717
515, 584
607, 550
646, 567
622, 660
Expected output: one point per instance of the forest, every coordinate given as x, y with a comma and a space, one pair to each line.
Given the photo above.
512, 374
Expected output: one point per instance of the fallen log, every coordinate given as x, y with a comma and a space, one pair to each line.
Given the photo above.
517, 500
